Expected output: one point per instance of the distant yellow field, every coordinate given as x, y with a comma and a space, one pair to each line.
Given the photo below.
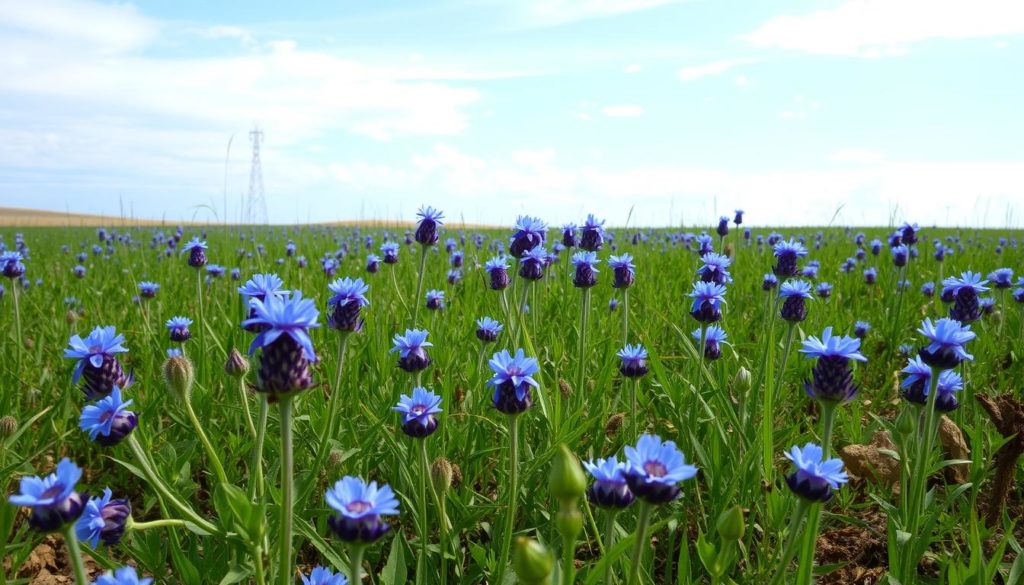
23, 217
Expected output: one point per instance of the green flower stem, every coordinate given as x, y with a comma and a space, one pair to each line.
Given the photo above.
211, 453
421, 562
513, 485
355, 563
767, 418
919, 476
419, 285
243, 395
805, 569
609, 541
398, 291
285, 570
201, 334
256, 552
75, 552
638, 547
625, 316
19, 342
581, 351
791, 541
256, 465
162, 489
633, 391
568, 576
162, 523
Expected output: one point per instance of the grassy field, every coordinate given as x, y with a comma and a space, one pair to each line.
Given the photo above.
718, 420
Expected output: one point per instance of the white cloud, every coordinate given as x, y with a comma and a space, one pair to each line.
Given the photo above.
102, 28
876, 28
623, 111
556, 12
711, 69
857, 155
634, 68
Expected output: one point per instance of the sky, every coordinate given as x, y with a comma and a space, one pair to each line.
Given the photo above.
651, 112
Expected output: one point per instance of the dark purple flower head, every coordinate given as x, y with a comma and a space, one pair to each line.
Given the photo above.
870, 275
917, 385
11, 264
412, 350
372, 263
390, 252
177, 327
634, 361
426, 228
512, 379
418, 412
196, 249
284, 338
586, 271
714, 338
723, 226
814, 479
832, 377
97, 361
108, 420
738, 219
609, 489
947, 339
715, 268
708, 299
435, 300
624, 270
103, 519
909, 233
569, 235
928, 289
787, 254
359, 508
487, 329
965, 290
1002, 277
532, 263
592, 236
900, 254
344, 307
148, 290
497, 269
794, 294
654, 469
705, 245
530, 233
769, 282
823, 290
53, 499
860, 329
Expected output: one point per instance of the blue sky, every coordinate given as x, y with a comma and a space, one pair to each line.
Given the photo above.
678, 111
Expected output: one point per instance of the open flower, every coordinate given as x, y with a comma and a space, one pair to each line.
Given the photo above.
418, 412
715, 268
108, 420
346, 303
832, 377
947, 338
634, 364
586, 271
609, 489
359, 508
426, 228
122, 576
624, 271
794, 294
284, 339
787, 254
814, 479
196, 249
487, 329
714, 338
324, 576
411, 348
708, 298
512, 379
592, 236
103, 519
177, 327
530, 233
655, 468
53, 499
97, 361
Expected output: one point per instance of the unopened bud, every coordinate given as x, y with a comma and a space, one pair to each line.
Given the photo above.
566, 482
441, 474
742, 381
731, 524
905, 422
532, 562
564, 388
178, 375
237, 365
8, 426
71, 317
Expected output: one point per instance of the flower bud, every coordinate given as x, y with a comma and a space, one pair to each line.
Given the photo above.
742, 382
567, 482
441, 473
731, 524
905, 423
178, 375
237, 365
532, 562
8, 426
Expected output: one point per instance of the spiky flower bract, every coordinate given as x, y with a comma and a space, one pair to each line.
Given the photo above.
832, 377
497, 268
609, 489
412, 356
108, 420
624, 271
346, 303
814, 479
196, 249
655, 468
418, 412
530, 233
104, 518
532, 263
426, 227
788, 253
633, 364
586, 271
947, 338
715, 268
487, 329
512, 379
708, 299
53, 498
287, 347
359, 508
97, 361
177, 327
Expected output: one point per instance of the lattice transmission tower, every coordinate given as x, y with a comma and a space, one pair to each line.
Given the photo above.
256, 205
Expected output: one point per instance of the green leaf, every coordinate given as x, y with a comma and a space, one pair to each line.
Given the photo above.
394, 570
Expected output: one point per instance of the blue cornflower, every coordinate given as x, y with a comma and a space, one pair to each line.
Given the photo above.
823, 290
794, 293
705, 245
122, 576
79, 271
532, 263
103, 519
769, 282
569, 235
359, 508
435, 299
609, 489
487, 329
908, 233
634, 364
876, 246
148, 290
708, 298
900, 254
714, 338
174, 352
11, 264
97, 361
723, 226
215, 270
624, 270
418, 412
655, 468
987, 305
390, 251
178, 329
928, 289
53, 498
346, 303
261, 286
813, 478
870, 275
947, 339
287, 347
613, 303
412, 350
809, 271
715, 268
787, 253
456, 259
454, 276
530, 233
513, 376
592, 237
969, 279
964, 292
196, 249
586, 273
832, 377
917, 384
739, 217
860, 329
108, 420
497, 268
324, 576
426, 228
372, 263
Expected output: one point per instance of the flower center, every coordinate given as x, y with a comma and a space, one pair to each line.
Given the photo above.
53, 491
655, 469
418, 409
358, 507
